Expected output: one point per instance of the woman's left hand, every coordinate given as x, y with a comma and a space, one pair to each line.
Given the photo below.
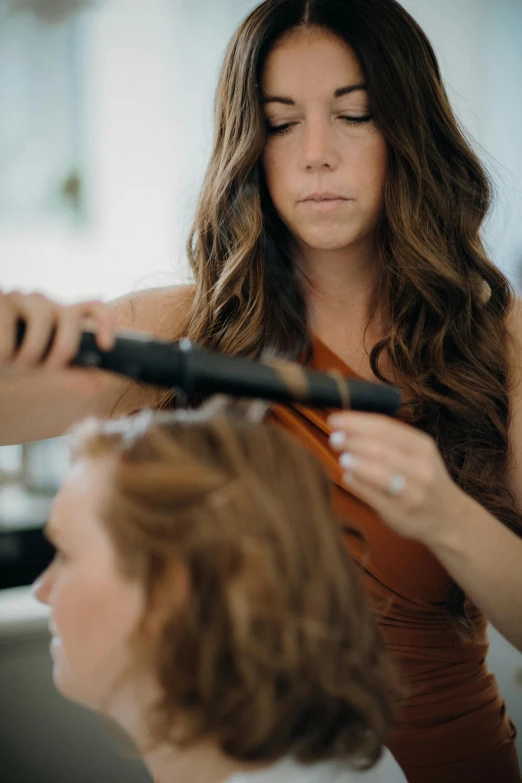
399, 471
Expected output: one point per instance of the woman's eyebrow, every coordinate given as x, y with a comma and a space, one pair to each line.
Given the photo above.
350, 88
337, 94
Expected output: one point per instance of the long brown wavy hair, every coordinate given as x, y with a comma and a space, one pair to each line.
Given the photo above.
256, 628
443, 302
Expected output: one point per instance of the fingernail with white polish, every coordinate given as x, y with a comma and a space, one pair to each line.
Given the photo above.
337, 439
347, 460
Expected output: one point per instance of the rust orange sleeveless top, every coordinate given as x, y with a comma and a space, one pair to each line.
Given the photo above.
452, 726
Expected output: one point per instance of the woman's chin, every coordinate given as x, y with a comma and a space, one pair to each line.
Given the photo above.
69, 689
62, 683
329, 236
63, 679
323, 242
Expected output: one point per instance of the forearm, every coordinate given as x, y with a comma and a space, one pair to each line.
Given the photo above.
40, 404
485, 559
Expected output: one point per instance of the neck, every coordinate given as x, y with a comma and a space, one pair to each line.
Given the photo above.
202, 762
338, 286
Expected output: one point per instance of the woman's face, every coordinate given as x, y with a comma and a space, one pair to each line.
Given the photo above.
325, 160
94, 609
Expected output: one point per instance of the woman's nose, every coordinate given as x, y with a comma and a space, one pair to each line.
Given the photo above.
40, 588
319, 146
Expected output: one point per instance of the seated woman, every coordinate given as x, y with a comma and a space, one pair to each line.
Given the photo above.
202, 599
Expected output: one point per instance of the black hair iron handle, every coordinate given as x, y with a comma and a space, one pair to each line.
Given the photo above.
195, 370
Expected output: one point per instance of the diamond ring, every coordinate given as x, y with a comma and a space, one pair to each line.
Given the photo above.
397, 484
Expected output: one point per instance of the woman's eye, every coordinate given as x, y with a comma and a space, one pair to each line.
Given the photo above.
356, 120
279, 129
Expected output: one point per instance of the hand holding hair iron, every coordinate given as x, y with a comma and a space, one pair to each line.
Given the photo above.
195, 370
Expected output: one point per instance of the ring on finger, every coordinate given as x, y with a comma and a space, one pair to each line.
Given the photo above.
396, 485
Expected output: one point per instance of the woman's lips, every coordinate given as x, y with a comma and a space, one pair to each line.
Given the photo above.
325, 195
56, 643
324, 203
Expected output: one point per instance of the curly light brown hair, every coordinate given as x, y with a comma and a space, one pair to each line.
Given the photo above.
271, 649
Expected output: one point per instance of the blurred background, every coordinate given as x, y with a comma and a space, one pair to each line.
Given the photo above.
105, 130
107, 120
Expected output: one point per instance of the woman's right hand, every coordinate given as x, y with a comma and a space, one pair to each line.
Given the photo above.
44, 320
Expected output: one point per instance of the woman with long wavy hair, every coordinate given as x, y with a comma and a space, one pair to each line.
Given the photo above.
339, 225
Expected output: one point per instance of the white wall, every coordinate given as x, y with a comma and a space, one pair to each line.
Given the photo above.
134, 133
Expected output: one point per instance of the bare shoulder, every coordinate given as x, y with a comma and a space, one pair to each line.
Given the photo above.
160, 311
